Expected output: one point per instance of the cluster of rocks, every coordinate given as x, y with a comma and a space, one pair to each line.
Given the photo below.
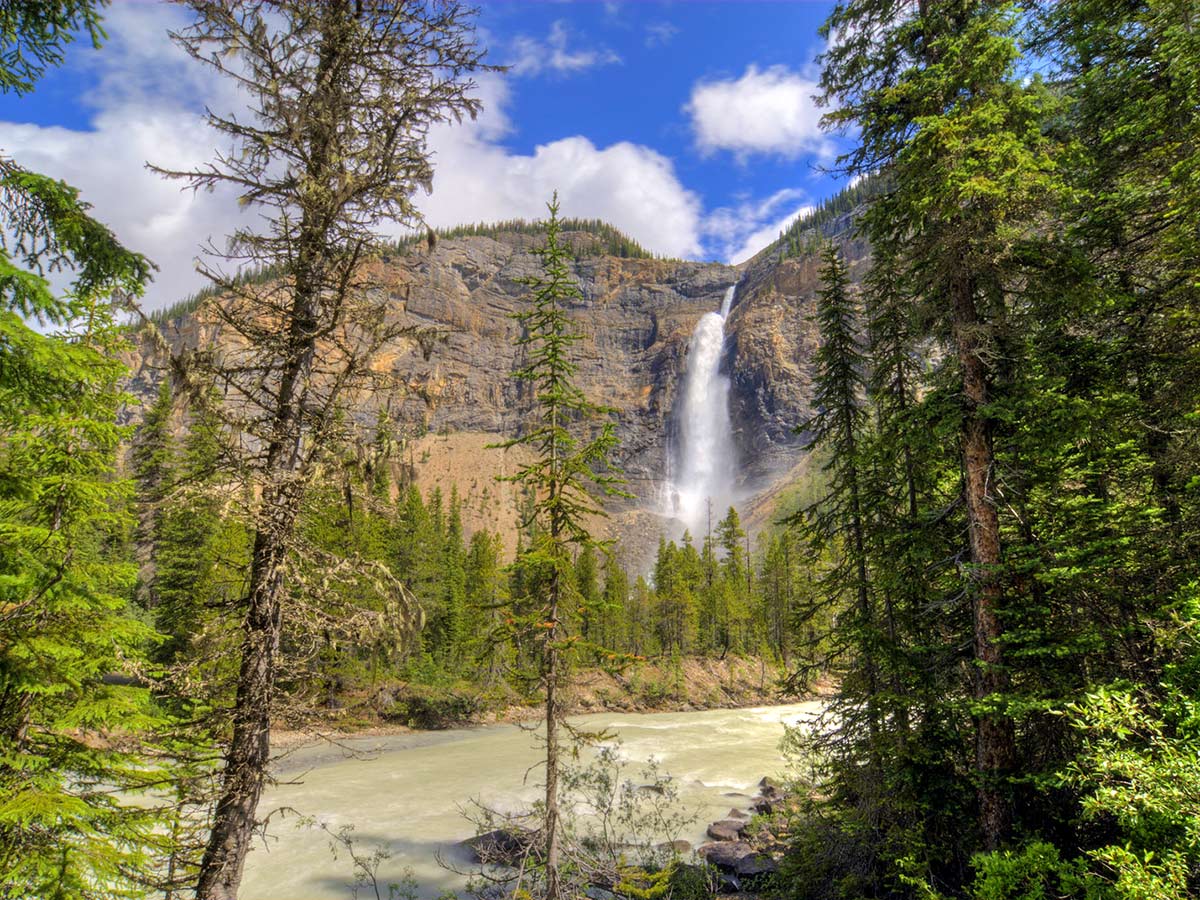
745, 861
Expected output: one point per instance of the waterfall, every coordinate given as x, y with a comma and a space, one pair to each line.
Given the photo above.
704, 467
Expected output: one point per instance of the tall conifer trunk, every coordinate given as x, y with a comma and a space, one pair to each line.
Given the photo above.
995, 749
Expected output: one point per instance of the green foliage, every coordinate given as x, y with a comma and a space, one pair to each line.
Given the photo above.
1029, 248
64, 622
567, 474
34, 35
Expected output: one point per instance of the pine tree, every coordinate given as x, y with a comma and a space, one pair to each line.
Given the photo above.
342, 96
64, 623
565, 479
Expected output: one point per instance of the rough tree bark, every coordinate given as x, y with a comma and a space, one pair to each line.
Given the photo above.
995, 749
342, 94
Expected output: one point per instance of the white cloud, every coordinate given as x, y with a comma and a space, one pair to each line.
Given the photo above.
741, 231
147, 96
532, 56
143, 87
769, 111
659, 34
629, 185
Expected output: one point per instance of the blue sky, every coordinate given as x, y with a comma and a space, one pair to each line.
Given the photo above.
691, 125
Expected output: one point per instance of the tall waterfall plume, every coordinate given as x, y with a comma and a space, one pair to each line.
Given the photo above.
703, 468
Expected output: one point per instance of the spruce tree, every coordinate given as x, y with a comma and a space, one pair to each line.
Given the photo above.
64, 622
570, 474
941, 109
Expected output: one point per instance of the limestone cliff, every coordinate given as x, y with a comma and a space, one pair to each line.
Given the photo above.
637, 315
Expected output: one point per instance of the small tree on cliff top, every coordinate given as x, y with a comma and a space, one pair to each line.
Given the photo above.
565, 480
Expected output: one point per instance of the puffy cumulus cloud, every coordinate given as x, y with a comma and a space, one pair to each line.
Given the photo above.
532, 56
739, 232
148, 213
148, 97
629, 185
768, 111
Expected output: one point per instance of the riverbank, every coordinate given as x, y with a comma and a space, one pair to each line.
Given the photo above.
417, 797
651, 686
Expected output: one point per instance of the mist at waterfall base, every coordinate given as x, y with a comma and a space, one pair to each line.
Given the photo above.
702, 465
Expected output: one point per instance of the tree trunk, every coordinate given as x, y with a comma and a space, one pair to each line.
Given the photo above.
249, 750
995, 749
553, 888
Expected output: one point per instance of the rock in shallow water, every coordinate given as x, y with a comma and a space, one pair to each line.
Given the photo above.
727, 830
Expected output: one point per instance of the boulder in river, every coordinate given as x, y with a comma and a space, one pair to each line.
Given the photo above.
736, 813
727, 830
724, 854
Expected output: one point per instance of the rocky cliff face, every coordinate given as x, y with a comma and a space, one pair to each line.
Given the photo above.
771, 347
637, 316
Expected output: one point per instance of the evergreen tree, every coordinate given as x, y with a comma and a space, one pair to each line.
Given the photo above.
587, 585
345, 93
563, 482
734, 604
486, 597
943, 112
64, 623
153, 459
613, 618
839, 516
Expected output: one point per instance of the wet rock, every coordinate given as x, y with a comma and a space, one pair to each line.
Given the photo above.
727, 830
675, 848
724, 854
736, 813
738, 858
755, 866
764, 806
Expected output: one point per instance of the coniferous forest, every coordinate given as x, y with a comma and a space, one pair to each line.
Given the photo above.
987, 568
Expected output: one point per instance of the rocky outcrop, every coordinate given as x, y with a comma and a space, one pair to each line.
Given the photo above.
746, 857
636, 315
772, 346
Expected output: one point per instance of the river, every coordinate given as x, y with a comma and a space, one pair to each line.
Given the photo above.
405, 793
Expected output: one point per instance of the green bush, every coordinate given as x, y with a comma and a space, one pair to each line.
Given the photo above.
433, 708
